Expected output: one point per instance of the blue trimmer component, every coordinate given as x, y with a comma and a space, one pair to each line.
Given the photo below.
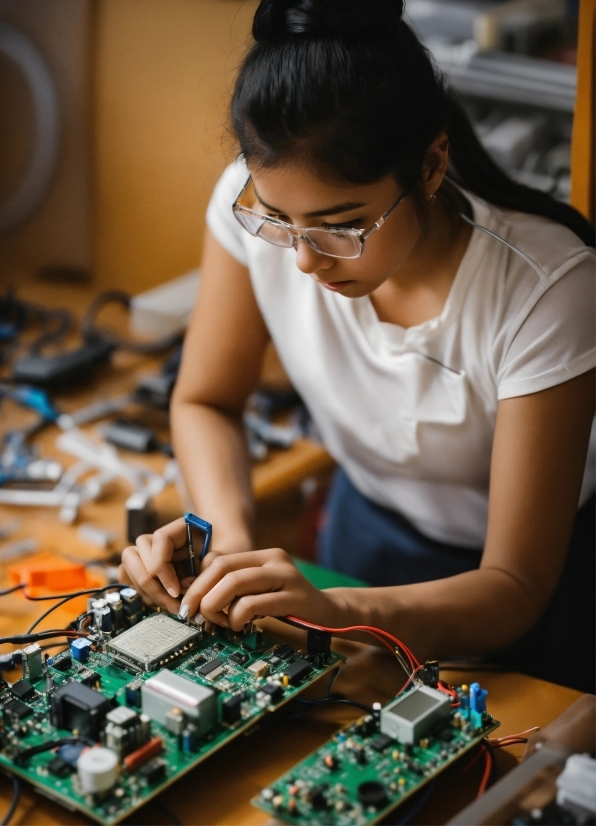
194, 523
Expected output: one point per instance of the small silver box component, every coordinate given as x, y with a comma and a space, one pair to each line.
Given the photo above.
166, 690
410, 717
154, 642
32, 667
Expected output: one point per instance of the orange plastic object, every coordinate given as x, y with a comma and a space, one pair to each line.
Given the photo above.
46, 574
151, 749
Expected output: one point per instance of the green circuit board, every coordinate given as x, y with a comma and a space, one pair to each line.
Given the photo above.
360, 774
247, 665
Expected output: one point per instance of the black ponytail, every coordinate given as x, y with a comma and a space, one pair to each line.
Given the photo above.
346, 87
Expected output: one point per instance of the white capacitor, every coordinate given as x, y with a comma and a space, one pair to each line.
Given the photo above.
97, 769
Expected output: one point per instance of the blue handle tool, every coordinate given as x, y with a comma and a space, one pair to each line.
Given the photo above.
195, 522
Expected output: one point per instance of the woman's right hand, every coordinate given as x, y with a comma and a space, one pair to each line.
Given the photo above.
155, 566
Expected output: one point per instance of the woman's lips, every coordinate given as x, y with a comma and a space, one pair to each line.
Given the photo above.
334, 285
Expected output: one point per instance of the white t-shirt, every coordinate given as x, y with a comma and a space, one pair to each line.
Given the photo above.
410, 413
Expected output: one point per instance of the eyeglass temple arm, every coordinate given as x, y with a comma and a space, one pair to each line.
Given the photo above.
378, 224
242, 191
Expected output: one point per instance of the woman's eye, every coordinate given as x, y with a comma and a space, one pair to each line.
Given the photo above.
353, 224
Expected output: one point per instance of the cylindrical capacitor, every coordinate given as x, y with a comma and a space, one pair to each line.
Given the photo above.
97, 769
131, 601
102, 615
188, 739
116, 609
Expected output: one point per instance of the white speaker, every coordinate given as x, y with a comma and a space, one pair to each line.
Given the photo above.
45, 137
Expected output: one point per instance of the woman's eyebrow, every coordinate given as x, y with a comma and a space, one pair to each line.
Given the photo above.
347, 206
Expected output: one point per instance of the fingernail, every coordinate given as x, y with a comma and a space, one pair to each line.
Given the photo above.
199, 619
184, 611
172, 592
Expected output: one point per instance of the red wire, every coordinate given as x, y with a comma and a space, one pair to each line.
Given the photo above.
379, 633
486, 774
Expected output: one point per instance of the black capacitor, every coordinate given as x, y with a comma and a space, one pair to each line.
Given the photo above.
131, 601
116, 610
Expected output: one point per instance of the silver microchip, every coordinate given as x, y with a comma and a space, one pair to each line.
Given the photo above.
154, 642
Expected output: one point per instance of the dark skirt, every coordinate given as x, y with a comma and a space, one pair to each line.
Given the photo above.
380, 546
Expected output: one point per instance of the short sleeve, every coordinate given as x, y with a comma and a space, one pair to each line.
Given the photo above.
556, 340
220, 218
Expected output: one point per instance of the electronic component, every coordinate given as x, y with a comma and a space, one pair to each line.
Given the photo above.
283, 651
125, 730
372, 793
238, 658
260, 668
132, 695
140, 515
232, 707
208, 669
167, 690
295, 672
80, 649
102, 615
22, 690
154, 642
273, 690
59, 768
70, 753
198, 533
253, 640
15, 711
63, 664
90, 678
97, 769
318, 645
138, 758
115, 603
380, 742
154, 771
64, 370
414, 714
76, 707
32, 667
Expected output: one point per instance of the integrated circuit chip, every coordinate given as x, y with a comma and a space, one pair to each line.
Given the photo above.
154, 642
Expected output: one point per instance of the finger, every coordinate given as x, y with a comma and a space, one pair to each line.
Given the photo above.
126, 578
255, 606
145, 551
238, 584
148, 585
219, 567
164, 542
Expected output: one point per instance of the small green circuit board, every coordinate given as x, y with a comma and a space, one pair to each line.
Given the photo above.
360, 775
234, 653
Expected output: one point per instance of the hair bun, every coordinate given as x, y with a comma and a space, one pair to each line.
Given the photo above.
348, 19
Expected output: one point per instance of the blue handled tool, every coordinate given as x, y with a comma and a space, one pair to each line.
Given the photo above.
195, 522
32, 397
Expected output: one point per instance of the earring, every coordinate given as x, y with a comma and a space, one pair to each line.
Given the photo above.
432, 198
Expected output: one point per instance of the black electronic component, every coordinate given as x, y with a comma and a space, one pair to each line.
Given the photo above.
372, 793
154, 771
283, 651
231, 708
253, 640
59, 768
274, 690
445, 734
380, 742
206, 669
317, 798
76, 707
219, 646
366, 726
296, 671
22, 690
64, 370
132, 695
15, 711
64, 664
70, 753
130, 436
429, 673
92, 679
131, 601
238, 658
318, 646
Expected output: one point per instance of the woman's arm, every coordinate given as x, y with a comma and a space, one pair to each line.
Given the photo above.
221, 364
537, 465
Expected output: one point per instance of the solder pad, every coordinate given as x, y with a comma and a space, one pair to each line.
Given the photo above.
154, 642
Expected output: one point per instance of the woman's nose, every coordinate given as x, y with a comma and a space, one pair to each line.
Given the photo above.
309, 260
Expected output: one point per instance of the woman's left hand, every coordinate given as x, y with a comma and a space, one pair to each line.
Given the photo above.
253, 585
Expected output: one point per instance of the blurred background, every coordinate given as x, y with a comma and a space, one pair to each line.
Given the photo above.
113, 119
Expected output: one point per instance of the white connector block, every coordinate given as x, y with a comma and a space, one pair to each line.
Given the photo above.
165, 310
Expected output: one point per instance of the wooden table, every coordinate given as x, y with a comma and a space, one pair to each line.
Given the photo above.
219, 791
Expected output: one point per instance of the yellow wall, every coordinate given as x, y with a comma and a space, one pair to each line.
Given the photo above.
164, 70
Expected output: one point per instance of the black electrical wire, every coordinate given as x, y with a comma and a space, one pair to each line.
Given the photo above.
417, 806
25, 755
16, 796
67, 597
167, 811
26, 639
92, 332
11, 590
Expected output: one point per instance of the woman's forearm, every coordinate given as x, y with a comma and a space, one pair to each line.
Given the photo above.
467, 614
210, 448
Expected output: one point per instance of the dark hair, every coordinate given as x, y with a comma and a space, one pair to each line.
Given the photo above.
346, 87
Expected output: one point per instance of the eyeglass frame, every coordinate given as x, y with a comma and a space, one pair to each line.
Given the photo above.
298, 233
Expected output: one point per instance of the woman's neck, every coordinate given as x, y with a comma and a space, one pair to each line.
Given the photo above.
419, 290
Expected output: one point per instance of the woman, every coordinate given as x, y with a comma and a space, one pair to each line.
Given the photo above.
438, 321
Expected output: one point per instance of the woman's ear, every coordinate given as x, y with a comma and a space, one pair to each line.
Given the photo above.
435, 163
